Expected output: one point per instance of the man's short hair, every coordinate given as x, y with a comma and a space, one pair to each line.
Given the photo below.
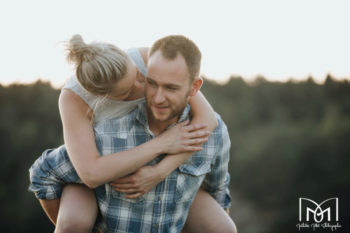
171, 46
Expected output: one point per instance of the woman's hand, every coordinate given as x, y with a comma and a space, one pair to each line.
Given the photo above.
184, 137
139, 183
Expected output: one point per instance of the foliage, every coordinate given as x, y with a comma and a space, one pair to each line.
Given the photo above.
29, 123
289, 140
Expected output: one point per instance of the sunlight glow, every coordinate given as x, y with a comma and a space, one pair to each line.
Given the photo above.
275, 39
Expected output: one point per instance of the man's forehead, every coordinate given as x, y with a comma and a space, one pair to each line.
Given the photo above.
157, 57
161, 68
161, 80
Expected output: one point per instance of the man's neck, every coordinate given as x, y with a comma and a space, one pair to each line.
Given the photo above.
156, 126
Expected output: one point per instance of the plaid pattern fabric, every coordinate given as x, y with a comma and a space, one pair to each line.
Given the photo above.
164, 208
50, 172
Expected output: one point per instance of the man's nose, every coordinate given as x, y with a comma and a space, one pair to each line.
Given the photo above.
159, 96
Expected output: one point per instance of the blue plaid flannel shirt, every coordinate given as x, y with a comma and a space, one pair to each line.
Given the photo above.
165, 208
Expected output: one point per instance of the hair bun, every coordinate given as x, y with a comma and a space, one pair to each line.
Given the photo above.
78, 50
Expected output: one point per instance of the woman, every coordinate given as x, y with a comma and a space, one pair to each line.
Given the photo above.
113, 86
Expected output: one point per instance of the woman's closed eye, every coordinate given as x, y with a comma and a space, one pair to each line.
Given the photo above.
151, 83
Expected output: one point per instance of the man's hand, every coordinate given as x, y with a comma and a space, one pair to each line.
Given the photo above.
139, 183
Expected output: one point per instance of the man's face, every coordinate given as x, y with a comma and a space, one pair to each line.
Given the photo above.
167, 87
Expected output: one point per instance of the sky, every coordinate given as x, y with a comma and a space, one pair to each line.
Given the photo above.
278, 39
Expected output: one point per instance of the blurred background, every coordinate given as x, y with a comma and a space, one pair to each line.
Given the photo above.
289, 140
277, 71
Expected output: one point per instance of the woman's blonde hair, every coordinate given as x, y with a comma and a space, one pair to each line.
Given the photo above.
98, 65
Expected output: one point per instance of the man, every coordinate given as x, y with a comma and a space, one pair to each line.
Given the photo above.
172, 79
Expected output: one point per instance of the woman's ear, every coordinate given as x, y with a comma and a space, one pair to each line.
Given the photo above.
139, 77
196, 85
139, 81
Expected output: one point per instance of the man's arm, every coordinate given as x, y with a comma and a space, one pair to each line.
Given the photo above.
216, 183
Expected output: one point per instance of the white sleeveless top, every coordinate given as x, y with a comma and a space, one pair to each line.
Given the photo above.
105, 108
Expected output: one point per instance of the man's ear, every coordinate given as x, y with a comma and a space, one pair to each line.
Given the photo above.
196, 85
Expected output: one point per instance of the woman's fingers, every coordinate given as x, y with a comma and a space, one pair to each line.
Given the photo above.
135, 195
198, 134
126, 190
193, 148
177, 139
130, 193
193, 127
194, 144
124, 180
125, 186
184, 123
196, 141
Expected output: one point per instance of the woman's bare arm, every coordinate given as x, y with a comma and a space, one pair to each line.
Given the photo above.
81, 146
202, 113
147, 177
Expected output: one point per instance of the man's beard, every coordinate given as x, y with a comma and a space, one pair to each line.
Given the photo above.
175, 113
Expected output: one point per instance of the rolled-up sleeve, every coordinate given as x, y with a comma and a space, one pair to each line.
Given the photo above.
217, 181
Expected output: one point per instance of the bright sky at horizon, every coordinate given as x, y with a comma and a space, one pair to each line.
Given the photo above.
277, 39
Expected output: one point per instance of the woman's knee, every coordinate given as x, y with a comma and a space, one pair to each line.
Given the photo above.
207, 216
77, 211
229, 227
77, 224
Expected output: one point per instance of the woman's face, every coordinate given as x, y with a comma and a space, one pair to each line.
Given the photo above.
127, 87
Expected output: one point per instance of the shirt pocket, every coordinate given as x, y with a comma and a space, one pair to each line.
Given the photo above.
110, 143
190, 177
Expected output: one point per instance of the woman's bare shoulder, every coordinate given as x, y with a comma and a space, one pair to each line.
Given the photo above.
69, 100
144, 53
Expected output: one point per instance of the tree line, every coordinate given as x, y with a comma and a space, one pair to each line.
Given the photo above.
289, 140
